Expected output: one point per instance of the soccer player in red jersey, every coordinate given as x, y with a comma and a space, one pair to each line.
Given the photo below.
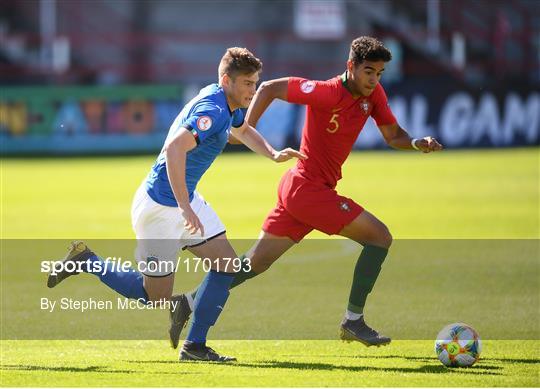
337, 110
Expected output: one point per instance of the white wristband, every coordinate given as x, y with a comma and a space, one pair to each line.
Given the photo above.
413, 144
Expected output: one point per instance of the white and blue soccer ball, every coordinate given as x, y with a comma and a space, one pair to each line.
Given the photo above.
458, 345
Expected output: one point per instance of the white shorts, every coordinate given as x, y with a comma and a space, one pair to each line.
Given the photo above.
161, 233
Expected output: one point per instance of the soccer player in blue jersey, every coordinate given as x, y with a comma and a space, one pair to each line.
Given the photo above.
168, 214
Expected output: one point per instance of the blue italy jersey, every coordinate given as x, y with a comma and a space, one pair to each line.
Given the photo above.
209, 119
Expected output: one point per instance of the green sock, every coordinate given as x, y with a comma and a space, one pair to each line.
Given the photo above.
366, 271
239, 277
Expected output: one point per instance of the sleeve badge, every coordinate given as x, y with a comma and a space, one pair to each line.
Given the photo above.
307, 86
204, 123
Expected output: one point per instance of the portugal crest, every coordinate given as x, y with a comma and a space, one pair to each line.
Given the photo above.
365, 106
344, 207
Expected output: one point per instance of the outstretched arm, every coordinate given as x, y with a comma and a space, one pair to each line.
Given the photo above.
397, 138
256, 142
247, 134
267, 92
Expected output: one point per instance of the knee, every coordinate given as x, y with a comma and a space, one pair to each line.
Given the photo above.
382, 237
386, 238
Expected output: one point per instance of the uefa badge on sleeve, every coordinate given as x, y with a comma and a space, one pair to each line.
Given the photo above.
204, 123
307, 86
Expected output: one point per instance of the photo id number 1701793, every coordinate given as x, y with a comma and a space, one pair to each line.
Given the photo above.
227, 265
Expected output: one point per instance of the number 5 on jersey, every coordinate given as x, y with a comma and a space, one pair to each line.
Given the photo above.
334, 124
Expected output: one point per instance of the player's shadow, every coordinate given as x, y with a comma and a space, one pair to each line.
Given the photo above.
531, 361
428, 359
88, 369
70, 369
172, 361
273, 364
476, 370
438, 369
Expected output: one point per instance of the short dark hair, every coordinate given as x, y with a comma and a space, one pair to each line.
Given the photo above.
238, 60
367, 48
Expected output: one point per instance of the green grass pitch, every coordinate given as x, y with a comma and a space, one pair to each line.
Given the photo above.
477, 194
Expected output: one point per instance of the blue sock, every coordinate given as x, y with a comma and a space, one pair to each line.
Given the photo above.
127, 283
211, 298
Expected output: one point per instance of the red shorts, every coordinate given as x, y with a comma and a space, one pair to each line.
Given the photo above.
304, 205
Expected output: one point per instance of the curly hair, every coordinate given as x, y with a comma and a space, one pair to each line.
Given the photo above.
367, 48
238, 60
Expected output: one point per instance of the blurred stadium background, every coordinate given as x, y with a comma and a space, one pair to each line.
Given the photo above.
108, 77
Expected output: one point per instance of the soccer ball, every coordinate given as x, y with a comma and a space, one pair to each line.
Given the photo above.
458, 345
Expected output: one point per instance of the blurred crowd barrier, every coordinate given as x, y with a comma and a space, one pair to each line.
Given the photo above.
135, 119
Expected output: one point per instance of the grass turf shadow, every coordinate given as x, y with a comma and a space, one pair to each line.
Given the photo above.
69, 369
273, 364
438, 369
428, 359
88, 369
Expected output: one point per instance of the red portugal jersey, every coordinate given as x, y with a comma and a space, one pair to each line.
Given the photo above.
333, 121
